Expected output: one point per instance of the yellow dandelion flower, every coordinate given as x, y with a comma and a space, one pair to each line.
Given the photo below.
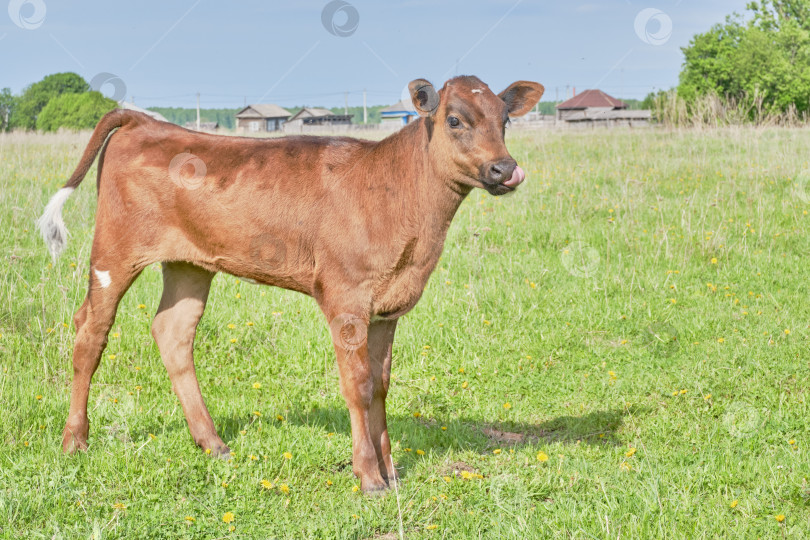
190, 519
465, 384
496, 451
253, 458
461, 370
39, 397
329, 482
284, 488
625, 466
734, 503
507, 405
792, 442
224, 484
406, 449
287, 455
447, 479
444, 428
787, 332
431, 526
267, 484
714, 260
466, 475
417, 414
281, 418
420, 452
138, 387
119, 506
542, 457
257, 385
238, 296
780, 518
243, 432
208, 451
720, 340
249, 323
707, 397
630, 452
231, 326
355, 488
228, 517
233, 340
257, 413
111, 356
141, 306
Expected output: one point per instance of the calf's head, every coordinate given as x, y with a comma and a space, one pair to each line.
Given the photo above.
466, 123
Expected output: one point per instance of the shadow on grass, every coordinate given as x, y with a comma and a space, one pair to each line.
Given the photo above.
598, 428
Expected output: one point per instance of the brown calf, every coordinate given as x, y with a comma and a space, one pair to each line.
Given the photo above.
357, 225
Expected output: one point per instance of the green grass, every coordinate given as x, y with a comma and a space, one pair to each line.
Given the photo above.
643, 290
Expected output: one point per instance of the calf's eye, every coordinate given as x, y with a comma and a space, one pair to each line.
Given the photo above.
453, 121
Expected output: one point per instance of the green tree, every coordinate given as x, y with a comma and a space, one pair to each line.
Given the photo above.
7, 101
764, 60
36, 96
74, 111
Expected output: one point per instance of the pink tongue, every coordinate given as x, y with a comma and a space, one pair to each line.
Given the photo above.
517, 177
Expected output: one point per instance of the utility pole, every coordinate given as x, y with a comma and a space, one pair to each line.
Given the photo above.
557, 94
198, 111
345, 103
365, 110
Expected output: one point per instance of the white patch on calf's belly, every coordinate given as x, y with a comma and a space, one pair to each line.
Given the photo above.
103, 278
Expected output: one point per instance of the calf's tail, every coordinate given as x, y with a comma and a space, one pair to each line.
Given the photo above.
50, 224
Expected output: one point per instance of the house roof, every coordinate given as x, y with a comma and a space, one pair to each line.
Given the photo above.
311, 112
591, 98
401, 107
263, 110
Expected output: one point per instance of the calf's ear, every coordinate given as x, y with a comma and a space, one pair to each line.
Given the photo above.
521, 96
424, 97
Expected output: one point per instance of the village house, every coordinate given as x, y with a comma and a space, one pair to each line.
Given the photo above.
593, 108
261, 117
311, 117
398, 114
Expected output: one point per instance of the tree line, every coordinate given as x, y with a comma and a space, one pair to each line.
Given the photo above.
753, 67
58, 100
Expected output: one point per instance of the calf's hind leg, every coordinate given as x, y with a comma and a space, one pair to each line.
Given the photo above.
93, 321
185, 291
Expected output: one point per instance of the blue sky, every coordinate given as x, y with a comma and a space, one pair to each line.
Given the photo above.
282, 52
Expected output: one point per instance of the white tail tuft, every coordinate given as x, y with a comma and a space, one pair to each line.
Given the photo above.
51, 225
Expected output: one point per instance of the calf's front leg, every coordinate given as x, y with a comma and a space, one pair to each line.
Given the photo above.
363, 357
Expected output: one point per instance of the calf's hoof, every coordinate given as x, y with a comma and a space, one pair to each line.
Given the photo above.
72, 442
219, 450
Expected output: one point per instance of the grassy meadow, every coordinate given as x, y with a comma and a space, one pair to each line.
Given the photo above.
617, 350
